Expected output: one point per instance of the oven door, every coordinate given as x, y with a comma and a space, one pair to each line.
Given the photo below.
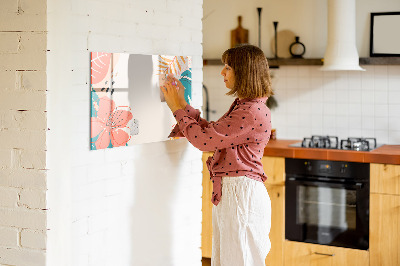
327, 213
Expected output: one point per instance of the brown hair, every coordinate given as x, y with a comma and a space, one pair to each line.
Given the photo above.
250, 66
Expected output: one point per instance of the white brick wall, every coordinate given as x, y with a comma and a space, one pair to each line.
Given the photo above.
99, 204
23, 132
138, 205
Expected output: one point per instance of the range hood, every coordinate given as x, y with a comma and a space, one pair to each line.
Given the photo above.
341, 51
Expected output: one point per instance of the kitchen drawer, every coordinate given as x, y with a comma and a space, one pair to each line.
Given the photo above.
385, 178
305, 254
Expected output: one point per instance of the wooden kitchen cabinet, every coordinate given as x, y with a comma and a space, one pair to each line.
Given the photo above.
305, 254
384, 235
274, 168
385, 215
385, 178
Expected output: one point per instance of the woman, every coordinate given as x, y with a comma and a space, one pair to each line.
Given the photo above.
242, 208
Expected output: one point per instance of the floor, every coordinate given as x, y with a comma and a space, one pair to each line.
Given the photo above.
206, 261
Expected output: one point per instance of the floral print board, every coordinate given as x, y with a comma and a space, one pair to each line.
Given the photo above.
127, 105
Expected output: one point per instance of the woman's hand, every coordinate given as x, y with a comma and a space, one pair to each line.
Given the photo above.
181, 91
174, 93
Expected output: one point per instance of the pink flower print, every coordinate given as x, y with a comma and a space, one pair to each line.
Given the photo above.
100, 68
109, 125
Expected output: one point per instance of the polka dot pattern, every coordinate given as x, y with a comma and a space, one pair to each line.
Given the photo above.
238, 139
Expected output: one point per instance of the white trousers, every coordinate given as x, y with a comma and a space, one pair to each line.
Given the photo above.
241, 223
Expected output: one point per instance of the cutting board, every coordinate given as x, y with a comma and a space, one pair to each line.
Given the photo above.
239, 35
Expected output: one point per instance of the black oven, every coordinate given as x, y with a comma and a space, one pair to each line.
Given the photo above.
327, 202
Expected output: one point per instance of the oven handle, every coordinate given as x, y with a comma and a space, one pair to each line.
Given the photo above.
357, 185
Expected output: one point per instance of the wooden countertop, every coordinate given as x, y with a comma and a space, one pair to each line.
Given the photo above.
389, 154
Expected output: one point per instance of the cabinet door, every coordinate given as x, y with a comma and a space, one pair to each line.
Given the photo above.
274, 168
206, 232
277, 233
384, 230
385, 178
304, 254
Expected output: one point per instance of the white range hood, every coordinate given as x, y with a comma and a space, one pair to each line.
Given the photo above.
341, 51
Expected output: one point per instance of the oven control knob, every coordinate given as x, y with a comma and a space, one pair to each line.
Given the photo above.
308, 166
343, 168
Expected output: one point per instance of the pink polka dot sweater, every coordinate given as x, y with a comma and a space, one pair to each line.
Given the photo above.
238, 139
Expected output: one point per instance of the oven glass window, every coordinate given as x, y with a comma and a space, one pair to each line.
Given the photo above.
327, 207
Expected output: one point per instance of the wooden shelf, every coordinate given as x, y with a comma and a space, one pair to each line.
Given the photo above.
380, 61
295, 62
273, 63
276, 62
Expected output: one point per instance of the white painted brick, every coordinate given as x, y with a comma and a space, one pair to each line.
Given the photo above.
17, 256
98, 222
33, 199
100, 42
31, 80
8, 80
9, 42
197, 37
192, 48
79, 175
33, 239
33, 159
197, 62
8, 237
33, 42
5, 158
141, 45
22, 100
116, 155
36, 7
22, 22
23, 139
153, 32
23, 178
167, 19
97, 173
20, 217
150, 6
165, 47
177, 7
114, 186
31, 55
190, 22
8, 197
8, 6
34, 120
197, 10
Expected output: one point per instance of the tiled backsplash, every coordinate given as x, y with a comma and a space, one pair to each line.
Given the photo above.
342, 103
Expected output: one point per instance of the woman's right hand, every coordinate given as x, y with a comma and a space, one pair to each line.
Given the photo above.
181, 90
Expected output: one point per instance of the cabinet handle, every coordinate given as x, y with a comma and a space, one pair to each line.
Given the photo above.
324, 254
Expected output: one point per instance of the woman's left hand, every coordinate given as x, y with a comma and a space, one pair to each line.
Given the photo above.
171, 95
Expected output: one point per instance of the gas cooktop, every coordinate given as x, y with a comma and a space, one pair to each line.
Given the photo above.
332, 142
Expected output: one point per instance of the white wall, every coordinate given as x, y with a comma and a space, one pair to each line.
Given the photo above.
305, 18
311, 102
23, 133
138, 205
